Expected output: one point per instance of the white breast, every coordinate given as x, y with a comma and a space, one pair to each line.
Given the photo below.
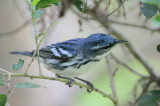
73, 72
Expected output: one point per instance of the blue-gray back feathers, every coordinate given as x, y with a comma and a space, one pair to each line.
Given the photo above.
63, 51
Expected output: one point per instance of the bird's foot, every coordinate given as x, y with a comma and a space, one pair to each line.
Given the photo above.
91, 87
57, 75
70, 80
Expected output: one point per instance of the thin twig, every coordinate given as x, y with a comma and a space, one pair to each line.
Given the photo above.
112, 81
129, 68
135, 90
143, 91
97, 4
106, 95
34, 54
36, 40
9, 83
134, 25
81, 85
108, 4
86, 20
116, 8
4, 71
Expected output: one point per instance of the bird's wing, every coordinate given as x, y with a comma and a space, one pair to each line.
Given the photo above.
60, 51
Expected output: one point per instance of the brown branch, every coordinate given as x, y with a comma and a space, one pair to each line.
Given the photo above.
108, 4
116, 8
97, 4
129, 68
112, 81
143, 91
134, 25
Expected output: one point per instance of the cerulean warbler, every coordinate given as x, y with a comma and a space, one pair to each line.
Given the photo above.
75, 57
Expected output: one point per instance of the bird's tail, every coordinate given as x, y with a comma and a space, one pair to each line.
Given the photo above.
24, 53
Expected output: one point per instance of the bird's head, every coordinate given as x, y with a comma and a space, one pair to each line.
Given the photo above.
99, 44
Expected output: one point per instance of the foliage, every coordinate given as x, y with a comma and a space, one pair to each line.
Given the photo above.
149, 10
158, 48
19, 65
79, 5
154, 2
38, 13
151, 98
1, 80
156, 20
150, 7
46, 3
3, 99
34, 2
27, 85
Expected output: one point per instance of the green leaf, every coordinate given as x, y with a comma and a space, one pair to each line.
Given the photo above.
1, 80
35, 2
158, 48
151, 98
78, 4
19, 65
38, 13
27, 85
155, 2
3, 99
156, 20
41, 34
46, 3
149, 10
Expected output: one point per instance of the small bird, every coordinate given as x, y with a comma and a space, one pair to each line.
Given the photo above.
75, 57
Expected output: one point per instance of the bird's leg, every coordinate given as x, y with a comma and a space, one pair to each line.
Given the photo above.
91, 87
70, 80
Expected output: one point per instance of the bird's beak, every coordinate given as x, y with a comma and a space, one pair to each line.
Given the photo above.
121, 41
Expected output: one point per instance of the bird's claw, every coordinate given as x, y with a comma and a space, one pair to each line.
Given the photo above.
57, 75
70, 82
91, 87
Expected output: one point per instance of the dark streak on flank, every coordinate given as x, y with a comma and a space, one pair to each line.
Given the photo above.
86, 62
